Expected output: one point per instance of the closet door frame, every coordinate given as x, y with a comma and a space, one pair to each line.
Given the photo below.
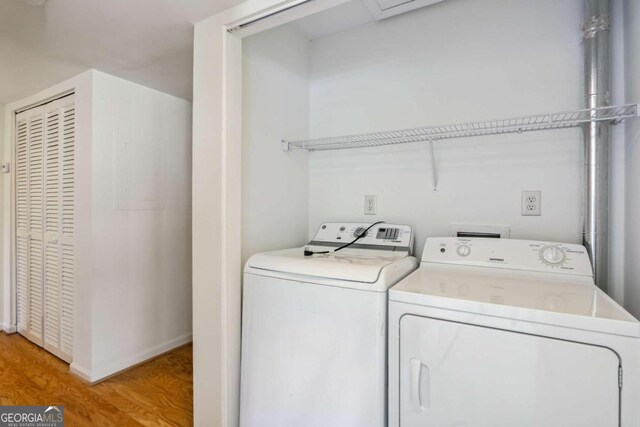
217, 137
82, 87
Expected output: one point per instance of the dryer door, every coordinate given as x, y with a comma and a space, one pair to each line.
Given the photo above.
454, 374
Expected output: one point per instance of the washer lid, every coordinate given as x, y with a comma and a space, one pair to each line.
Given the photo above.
354, 265
571, 301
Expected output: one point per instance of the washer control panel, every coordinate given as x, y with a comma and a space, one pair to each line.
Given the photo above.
381, 236
509, 254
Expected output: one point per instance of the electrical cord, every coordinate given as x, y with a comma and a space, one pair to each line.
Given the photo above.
308, 252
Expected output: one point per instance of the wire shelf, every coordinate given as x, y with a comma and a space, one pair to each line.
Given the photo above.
567, 119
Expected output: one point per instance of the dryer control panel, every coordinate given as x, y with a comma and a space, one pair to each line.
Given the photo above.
511, 254
390, 237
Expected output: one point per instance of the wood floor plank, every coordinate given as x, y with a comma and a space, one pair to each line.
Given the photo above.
158, 393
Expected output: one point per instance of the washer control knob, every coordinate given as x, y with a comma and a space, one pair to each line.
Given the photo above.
463, 250
553, 255
360, 232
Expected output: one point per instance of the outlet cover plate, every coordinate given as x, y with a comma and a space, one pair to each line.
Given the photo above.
370, 204
532, 203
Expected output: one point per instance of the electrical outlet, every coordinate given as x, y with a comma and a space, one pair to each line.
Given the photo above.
531, 203
370, 205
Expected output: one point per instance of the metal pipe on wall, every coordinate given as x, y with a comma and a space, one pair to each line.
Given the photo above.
597, 72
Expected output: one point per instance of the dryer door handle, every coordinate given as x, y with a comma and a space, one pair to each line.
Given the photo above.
419, 392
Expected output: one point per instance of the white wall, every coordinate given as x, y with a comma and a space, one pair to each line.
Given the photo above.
456, 61
275, 106
632, 169
141, 224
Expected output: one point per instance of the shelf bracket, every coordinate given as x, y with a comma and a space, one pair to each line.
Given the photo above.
434, 170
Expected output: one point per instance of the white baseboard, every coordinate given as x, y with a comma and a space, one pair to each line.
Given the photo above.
8, 329
103, 372
79, 371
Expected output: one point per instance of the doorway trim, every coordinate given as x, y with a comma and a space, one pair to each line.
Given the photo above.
217, 181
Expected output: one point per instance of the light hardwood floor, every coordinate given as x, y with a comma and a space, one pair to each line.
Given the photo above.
158, 393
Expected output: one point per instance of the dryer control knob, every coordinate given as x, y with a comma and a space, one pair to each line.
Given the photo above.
553, 255
463, 250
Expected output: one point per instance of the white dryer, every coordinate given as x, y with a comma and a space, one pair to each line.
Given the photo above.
314, 328
503, 333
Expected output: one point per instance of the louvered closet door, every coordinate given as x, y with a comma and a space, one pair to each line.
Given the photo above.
59, 194
49, 215
59, 227
29, 227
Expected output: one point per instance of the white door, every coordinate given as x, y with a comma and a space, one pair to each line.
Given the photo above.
45, 180
29, 182
460, 375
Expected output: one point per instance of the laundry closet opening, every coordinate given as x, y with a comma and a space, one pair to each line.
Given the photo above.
342, 72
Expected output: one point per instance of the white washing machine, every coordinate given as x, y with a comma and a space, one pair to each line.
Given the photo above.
504, 333
314, 328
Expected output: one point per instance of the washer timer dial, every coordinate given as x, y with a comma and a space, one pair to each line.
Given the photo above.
552, 255
463, 250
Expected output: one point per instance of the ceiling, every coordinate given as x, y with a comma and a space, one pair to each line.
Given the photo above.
146, 41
